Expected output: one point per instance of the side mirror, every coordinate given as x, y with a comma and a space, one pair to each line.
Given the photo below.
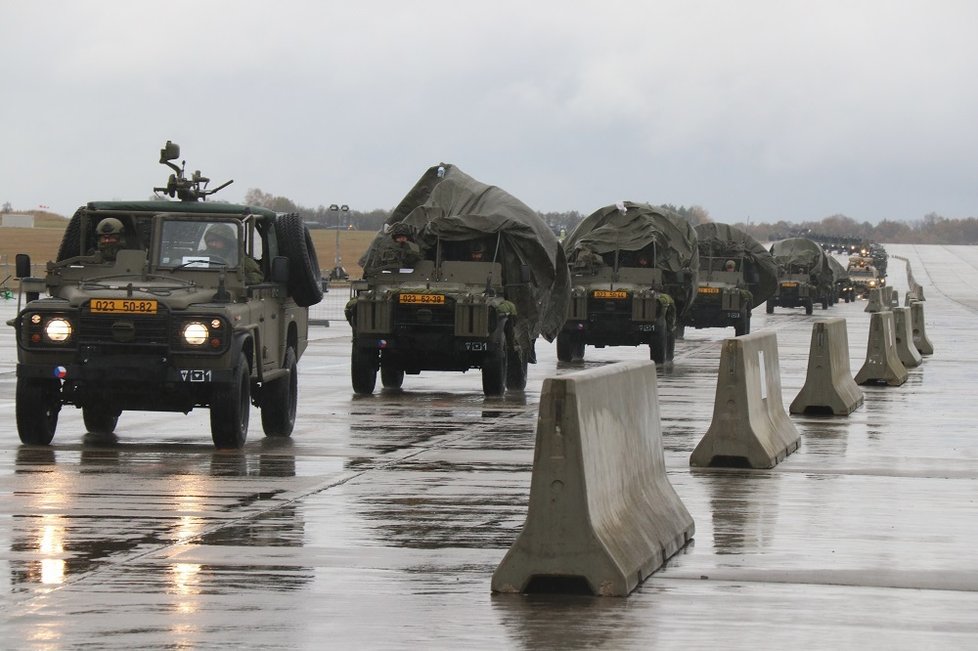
280, 269
23, 265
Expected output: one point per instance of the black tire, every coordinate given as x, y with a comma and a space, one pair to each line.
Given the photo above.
742, 327
577, 350
565, 348
770, 307
295, 243
71, 240
515, 370
279, 399
659, 343
38, 404
231, 409
363, 369
99, 420
494, 371
390, 377
825, 303
808, 307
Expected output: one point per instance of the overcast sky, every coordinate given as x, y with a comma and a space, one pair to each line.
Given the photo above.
760, 110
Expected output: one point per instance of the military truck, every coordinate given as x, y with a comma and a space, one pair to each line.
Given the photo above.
736, 274
843, 283
633, 269
483, 278
863, 275
804, 275
162, 322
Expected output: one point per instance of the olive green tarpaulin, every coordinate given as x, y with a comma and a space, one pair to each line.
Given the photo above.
629, 226
838, 271
716, 240
449, 205
801, 255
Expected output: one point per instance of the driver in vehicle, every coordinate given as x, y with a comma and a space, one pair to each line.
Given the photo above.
221, 245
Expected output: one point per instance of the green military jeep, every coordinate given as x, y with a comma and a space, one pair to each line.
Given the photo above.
483, 280
162, 321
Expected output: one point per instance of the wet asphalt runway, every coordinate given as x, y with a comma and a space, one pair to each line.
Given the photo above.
379, 524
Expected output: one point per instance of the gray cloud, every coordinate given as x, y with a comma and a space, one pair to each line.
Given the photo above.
772, 110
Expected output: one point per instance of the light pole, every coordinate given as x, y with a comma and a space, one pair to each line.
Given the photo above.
338, 271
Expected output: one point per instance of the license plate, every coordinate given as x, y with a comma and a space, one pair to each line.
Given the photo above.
709, 290
421, 299
604, 293
122, 306
789, 284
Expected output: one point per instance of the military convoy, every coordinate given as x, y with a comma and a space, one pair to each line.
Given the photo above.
168, 305
463, 276
736, 274
141, 312
634, 269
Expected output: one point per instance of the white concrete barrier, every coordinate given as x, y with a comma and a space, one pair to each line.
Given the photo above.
750, 427
829, 385
882, 365
919, 330
903, 331
602, 512
875, 302
891, 298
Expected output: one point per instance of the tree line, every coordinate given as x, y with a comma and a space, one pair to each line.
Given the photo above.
931, 229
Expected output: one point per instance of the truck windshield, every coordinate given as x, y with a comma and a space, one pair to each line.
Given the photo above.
199, 244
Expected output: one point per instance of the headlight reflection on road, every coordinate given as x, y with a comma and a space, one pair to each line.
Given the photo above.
51, 546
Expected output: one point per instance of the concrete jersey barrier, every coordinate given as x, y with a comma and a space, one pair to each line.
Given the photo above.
829, 385
750, 427
601, 510
875, 302
919, 330
882, 365
903, 330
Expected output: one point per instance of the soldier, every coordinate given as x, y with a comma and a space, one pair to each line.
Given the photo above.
586, 258
477, 252
221, 244
403, 252
111, 237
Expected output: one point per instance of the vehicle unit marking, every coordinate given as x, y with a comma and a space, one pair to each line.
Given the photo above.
196, 375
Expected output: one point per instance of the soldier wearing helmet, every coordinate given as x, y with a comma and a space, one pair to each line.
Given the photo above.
401, 252
111, 237
221, 245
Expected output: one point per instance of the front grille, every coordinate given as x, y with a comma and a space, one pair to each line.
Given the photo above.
610, 306
124, 329
425, 315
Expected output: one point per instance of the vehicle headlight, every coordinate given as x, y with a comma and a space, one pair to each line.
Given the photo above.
58, 330
195, 333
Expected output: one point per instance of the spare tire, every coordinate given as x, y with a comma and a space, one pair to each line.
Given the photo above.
71, 240
295, 243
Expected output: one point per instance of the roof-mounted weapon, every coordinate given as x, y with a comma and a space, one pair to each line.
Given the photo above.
178, 185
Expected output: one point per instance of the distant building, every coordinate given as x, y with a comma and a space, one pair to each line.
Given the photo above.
13, 220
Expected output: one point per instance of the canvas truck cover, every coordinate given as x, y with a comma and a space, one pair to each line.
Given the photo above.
803, 255
448, 204
629, 226
838, 271
718, 240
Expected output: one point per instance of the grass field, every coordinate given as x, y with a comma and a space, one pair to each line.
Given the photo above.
41, 243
